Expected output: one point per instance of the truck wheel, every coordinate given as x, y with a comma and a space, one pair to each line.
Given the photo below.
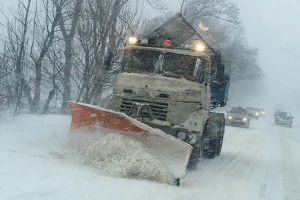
218, 147
194, 158
210, 151
215, 124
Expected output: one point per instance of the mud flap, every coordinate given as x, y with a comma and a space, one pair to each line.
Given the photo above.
173, 153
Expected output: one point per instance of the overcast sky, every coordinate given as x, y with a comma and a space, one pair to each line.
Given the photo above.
272, 26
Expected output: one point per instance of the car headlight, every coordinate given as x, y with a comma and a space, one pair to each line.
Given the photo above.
245, 119
257, 113
181, 135
230, 117
264, 113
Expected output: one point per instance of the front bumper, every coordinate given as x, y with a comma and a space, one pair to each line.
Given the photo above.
237, 122
283, 122
254, 115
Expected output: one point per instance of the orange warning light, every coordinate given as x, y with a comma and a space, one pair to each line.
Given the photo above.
167, 43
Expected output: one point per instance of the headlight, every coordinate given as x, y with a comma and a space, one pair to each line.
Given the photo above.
181, 135
264, 113
257, 113
245, 119
230, 117
132, 40
200, 47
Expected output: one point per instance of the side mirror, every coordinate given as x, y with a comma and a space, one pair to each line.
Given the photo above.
108, 61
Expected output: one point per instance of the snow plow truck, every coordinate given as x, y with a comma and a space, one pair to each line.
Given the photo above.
169, 82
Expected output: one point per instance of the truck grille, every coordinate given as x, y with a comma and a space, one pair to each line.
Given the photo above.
159, 110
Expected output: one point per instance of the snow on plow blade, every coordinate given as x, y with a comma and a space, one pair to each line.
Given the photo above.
170, 151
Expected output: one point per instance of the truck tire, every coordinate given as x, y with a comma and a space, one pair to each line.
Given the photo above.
210, 151
215, 123
218, 146
194, 158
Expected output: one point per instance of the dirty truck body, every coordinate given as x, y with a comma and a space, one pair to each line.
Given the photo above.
169, 89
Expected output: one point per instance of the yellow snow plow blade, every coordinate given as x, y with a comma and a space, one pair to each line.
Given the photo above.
173, 153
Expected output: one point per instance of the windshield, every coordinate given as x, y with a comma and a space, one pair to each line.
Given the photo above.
140, 60
166, 63
238, 111
253, 109
179, 65
284, 114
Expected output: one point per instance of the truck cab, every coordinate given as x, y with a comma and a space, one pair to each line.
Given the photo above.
173, 87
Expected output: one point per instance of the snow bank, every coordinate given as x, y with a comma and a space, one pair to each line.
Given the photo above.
34, 134
116, 155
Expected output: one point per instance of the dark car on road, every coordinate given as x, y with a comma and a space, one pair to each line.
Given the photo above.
284, 118
262, 112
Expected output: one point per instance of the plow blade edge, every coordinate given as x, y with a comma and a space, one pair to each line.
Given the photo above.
170, 151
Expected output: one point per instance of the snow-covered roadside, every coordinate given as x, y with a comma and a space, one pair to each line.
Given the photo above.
34, 135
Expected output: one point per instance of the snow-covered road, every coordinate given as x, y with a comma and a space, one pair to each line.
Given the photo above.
261, 162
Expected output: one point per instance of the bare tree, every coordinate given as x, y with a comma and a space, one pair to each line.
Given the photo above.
6, 85
99, 76
102, 32
14, 54
53, 73
44, 46
224, 10
68, 32
95, 27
